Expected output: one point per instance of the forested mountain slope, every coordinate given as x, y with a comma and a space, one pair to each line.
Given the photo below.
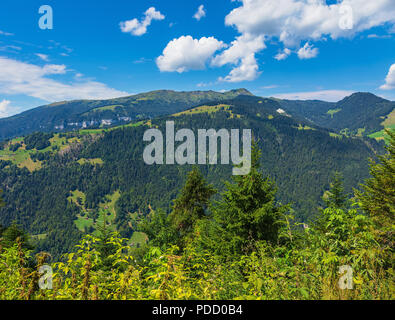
84, 178
359, 114
70, 115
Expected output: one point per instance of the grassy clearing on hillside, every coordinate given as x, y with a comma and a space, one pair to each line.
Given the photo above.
91, 218
360, 132
208, 110
91, 161
335, 135
203, 109
333, 111
390, 120
102, 130
301, 127
107, 211
138, 239
388, 123
22, 157
83, 222
381, 135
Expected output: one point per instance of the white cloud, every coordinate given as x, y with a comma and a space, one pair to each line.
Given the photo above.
185, 53
283, 55
325, 95
240, 48
54, 69
138, 28
42, 56
242, 54
390, 79
5, 110
292, 21
6, 33
10, 48
376, 36
246, 71
18, 77
200, 13
307, 52
272, 86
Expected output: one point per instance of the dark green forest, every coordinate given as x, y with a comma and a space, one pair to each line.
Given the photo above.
67, 195
245, 245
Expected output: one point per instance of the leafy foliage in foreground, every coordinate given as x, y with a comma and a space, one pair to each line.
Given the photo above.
267, 257
306, 267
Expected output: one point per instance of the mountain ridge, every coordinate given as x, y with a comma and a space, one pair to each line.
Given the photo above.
361, 113
69, 115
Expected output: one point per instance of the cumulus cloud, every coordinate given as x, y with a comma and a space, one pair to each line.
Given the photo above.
307, 52
283, 55
292, 21
5, 110
185, 53
325, 95
241, 47
18, 77
200, 13
390, 79
241, 53
246, 71
138, 28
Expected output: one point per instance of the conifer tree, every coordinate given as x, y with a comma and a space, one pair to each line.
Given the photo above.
159, 229
192, 202
12, 233
335, 197
377, 197
248, 210
104, 245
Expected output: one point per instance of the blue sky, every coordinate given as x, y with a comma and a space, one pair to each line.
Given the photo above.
286, 48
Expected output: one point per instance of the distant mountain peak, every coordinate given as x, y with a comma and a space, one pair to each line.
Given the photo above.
242, 91
363, 95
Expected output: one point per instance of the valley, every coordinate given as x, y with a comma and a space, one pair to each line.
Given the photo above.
71, 183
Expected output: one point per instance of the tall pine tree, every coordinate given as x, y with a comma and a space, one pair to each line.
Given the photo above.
191, 204
377, 197
335, 197
248, 210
